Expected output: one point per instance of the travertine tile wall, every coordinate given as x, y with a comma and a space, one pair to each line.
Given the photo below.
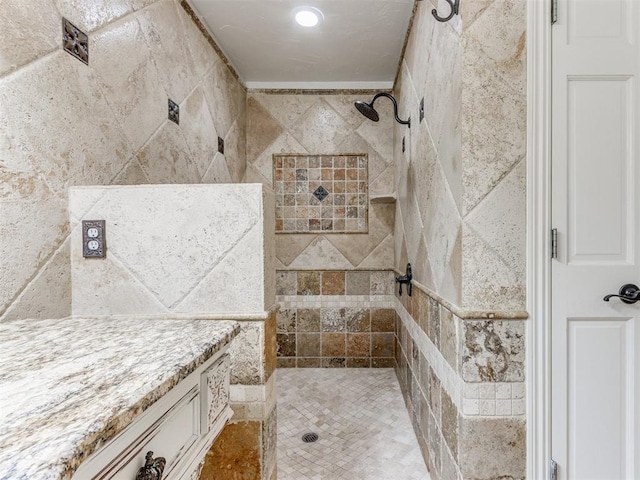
325, 124
460, 221
335, 319
174, 250
63, 123
463, 383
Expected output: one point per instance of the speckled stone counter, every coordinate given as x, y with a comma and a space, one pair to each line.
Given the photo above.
69, 385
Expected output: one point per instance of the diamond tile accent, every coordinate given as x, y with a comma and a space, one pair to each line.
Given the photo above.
321, 193
359, 414
75, 41
174, 112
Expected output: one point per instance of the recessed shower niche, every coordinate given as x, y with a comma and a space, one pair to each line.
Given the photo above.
321, 193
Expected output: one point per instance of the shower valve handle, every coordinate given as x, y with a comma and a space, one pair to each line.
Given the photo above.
406, 279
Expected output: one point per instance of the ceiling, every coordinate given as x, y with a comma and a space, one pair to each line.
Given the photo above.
357, 45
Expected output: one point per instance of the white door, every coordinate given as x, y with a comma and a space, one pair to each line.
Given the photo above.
596, 210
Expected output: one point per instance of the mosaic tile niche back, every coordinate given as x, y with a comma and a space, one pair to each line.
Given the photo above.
328, 193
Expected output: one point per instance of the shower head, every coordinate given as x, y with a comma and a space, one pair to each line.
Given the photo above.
368, 111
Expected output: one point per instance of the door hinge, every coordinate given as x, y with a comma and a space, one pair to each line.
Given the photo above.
553, 470
554, 243
554, 11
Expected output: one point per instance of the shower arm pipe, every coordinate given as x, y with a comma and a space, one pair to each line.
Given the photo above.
395, 107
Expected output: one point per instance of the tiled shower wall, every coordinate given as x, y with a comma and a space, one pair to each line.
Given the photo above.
315, 124
460, 221
335, 319
65, 123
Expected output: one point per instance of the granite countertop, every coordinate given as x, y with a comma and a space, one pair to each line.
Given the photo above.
69, 385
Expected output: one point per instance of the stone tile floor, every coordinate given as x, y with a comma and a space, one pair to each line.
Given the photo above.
364, 428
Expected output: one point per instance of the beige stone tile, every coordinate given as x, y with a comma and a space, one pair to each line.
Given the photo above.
31, 28
442, 86
218, 171
89, 16
223, 290
246, 354
107, 287
225, 96
358, 283
251, 175
492, 448
357, 247
474, 9
131, 174
288, 247
379, 134
284, 144
203, 55
262, 129
74, 151
500, 33
356, 144
383, 184
167, 40
54, 278
442, 223
234, 150
134, 89
32, 225
197, 126
500, 219
166, 157
183, 251
321, 130
344, 105
488, 282
417, 54
422, 266
321, 254
494, 142
381, 256
287, 109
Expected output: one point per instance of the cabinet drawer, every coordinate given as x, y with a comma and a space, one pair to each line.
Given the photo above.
170, 437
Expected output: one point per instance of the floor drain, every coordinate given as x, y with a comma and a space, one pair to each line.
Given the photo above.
310, 437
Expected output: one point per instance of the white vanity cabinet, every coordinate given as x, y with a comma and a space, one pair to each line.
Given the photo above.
181, 427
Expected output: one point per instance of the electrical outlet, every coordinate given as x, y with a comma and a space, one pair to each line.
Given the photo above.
94, 240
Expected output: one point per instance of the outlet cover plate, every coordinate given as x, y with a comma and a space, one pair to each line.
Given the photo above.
94, 240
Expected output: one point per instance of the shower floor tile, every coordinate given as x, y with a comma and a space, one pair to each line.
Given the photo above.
362, 422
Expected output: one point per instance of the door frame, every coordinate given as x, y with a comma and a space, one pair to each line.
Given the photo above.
538, 334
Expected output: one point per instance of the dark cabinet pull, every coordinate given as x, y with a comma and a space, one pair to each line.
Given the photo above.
153, 468
629, 293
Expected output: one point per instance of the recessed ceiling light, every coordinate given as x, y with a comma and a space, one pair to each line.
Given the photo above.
308, 16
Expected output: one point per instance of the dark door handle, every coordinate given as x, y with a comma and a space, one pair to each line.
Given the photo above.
629, 293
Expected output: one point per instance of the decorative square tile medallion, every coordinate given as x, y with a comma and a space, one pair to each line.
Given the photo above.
321, 193
174, 112
75, 41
